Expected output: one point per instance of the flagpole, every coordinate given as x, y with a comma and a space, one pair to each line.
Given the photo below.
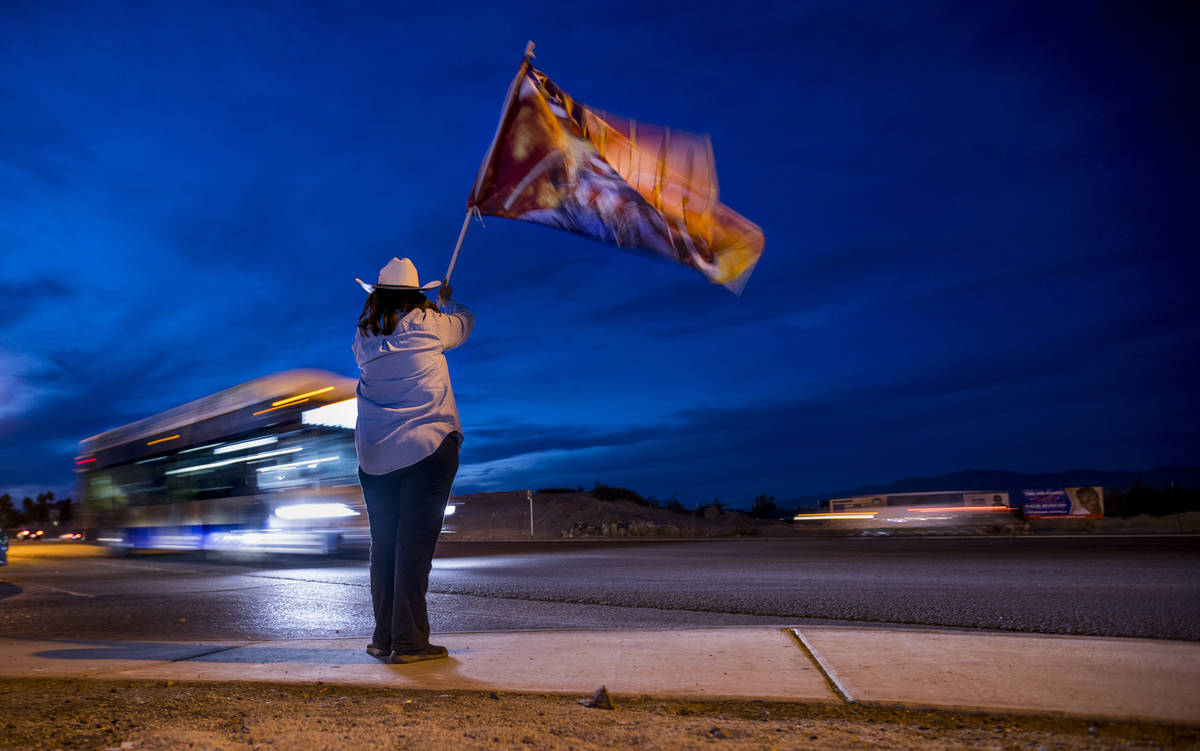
508, 100
454, 256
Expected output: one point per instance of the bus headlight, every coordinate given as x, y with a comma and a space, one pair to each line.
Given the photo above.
315, 511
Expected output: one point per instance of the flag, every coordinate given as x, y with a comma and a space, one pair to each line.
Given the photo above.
639, 187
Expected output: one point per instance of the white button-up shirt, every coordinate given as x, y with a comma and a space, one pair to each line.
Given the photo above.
405, 404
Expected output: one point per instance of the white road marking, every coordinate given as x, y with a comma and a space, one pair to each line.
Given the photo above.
137, 566
59, 589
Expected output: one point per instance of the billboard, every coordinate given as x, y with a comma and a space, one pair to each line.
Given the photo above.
985, 499
938, 498
859, 502
1084, 502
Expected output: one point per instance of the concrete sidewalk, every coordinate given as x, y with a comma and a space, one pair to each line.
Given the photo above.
1100, 678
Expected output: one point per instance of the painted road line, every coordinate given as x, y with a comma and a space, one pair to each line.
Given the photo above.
58, 589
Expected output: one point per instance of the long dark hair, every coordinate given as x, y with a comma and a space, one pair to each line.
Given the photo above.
385, 307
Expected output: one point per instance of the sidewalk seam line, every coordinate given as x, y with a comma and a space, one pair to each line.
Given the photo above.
825, 670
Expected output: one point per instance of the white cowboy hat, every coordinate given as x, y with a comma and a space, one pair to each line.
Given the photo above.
399, 273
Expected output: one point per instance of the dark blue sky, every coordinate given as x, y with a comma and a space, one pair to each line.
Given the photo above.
980, 225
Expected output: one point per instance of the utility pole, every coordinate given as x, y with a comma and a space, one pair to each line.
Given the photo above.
529, 497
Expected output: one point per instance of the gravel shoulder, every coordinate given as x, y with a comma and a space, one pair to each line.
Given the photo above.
110, 714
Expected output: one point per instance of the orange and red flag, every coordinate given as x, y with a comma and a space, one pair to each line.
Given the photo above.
635, 186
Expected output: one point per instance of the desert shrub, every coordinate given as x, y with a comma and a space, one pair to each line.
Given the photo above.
611, 493
764, 507
745, 532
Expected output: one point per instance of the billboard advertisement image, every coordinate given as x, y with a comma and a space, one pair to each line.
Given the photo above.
859, 502
1084, 502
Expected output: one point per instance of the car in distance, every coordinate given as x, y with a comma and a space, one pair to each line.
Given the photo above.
31, 533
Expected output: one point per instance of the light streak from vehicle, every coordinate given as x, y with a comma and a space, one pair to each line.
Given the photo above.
835, 515
291, 399
211, 465
85, 461
293, 465
246, 445
956, 509
200, 448
281, 406
162, 440
315, 511
271, 541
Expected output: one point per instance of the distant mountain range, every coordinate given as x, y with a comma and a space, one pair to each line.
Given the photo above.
997, 479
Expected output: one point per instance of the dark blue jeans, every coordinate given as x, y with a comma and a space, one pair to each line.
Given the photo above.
406, 509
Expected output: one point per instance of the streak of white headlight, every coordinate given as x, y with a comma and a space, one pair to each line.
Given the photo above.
225, 462
310, 463
835, 515
315, 511
247, 445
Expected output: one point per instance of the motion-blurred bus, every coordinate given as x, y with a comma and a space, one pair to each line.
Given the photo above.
896, 511
267, 466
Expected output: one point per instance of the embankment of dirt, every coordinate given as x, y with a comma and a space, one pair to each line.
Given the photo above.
505, 515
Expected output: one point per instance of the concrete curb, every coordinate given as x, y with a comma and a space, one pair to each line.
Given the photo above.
1138, 680
1096, 678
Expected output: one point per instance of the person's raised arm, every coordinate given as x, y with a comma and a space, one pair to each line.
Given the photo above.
455, 325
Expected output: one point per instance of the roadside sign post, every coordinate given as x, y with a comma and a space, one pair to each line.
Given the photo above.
529, 496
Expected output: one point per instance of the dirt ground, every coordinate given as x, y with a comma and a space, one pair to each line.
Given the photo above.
105, 714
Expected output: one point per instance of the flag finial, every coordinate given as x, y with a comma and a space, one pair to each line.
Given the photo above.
529, 50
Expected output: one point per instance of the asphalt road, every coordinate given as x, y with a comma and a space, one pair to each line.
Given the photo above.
1110, 586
